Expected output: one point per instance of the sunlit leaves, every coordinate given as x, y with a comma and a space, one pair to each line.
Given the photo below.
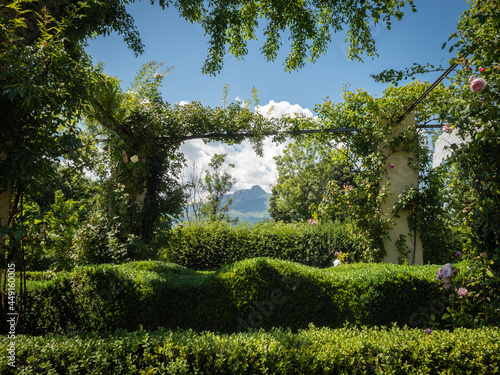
232, 24
306, 167
475, 115
395, 76
139, 122
375, 121
46, 81
218, 182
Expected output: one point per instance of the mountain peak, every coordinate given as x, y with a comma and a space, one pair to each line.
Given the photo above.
256, 188
249, 205
255, 192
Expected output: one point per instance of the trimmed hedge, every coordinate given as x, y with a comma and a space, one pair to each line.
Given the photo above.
208, 246
255, 293
313, 351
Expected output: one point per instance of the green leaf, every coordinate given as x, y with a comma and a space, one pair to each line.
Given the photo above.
466, 111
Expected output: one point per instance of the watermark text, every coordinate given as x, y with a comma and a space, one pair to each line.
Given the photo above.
11, 313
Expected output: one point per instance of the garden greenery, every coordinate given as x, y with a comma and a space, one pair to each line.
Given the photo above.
306, 166
48, 79
50, 83
347, 350
139, 163
475, 112
210, 245
472, 112
376, 121
254, 293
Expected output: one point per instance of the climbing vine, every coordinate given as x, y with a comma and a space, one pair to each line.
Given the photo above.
474, 112
139, 162
377, 138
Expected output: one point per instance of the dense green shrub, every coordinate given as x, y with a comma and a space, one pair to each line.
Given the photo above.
208, 246
255, 293
312, 351
97, 242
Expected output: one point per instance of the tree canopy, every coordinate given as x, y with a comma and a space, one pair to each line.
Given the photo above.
309, 24
218, 182
305, 169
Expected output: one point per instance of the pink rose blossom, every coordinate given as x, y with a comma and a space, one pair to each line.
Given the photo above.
469, 68
481, 70
336, 254
477, 84
446, 128
313, 222
391, 166
462, 292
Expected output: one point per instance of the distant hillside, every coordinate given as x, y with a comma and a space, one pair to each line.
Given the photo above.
250, 205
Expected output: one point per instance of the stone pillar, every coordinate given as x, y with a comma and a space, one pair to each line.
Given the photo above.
400, 177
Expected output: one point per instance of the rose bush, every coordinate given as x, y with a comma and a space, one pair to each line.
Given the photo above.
477, 84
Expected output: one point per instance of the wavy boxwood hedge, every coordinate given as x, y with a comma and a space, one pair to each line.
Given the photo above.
312, 351
255, 293
208, 246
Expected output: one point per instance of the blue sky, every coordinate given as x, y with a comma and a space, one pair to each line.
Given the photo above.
175, 42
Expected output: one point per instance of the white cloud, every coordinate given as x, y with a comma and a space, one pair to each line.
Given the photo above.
183, 102
274, 109
250, 169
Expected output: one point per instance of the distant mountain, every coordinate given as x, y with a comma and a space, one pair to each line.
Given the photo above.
249, 205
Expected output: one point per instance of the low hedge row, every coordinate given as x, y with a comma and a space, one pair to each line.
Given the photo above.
312, 351
255, 293
208, 246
